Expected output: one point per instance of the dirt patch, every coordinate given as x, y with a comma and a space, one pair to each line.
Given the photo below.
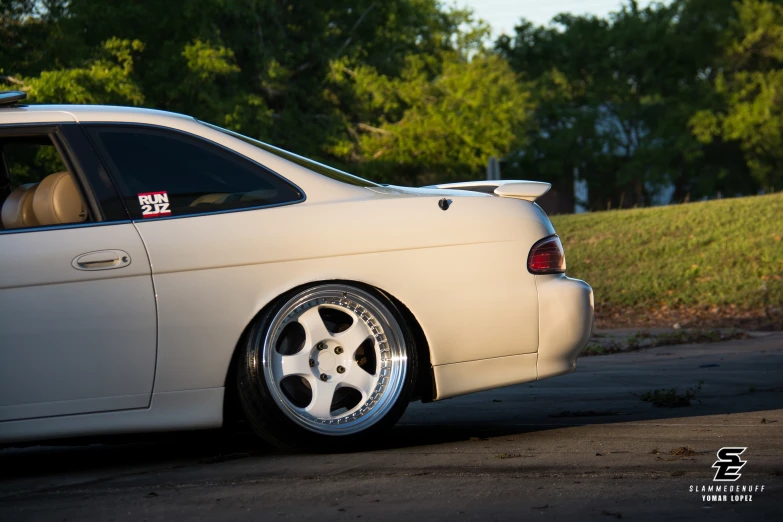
589, 413
684, 451
504, 456
602, 344
769, 319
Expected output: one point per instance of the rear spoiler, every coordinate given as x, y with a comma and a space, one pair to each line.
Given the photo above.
505, 188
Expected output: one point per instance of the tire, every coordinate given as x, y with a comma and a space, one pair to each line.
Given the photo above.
326, 368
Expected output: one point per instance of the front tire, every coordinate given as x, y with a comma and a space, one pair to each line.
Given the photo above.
326, 368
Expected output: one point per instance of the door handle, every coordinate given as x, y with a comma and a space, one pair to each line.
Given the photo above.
102, 260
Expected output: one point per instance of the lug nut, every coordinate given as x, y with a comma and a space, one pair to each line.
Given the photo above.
321, 346
324, 377
340, 369
312, 363
338, 350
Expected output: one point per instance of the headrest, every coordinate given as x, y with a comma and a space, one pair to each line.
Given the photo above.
210, 199
18, 207
57, 200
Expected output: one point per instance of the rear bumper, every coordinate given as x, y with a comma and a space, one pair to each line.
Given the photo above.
565, 322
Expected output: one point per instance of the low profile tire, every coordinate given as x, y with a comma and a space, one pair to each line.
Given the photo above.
327, 368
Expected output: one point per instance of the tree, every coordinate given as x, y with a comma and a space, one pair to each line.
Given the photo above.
267, 68
432, 127
613, 101
267, 60
560, 72
105, 80
29, 32
750, 84
406, 91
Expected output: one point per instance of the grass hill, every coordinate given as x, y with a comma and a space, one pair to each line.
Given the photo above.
713, 263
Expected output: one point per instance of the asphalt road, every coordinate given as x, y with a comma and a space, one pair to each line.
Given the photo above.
582, 447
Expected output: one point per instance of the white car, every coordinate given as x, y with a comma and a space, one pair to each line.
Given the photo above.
157, 271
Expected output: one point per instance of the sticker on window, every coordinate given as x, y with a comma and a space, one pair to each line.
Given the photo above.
154, 204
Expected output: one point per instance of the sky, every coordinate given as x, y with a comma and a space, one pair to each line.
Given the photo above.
503, 15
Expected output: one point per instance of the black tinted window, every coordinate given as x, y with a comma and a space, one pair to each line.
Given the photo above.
320, 168
164, 173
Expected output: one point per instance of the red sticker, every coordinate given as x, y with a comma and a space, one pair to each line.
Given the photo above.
154, 204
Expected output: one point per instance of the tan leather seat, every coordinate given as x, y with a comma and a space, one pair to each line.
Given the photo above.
57, 201
222, 198
17, 209
210, 199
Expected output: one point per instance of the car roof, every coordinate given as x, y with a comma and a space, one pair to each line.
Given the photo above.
88, 113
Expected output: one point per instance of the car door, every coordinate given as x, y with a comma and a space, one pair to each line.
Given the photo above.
77, 305
179, 189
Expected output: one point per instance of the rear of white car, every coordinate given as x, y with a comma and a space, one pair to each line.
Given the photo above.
565, 308
565, 305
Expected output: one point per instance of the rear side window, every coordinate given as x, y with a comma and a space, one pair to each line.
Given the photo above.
164, 173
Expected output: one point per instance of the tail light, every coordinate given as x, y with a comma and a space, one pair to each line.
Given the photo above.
547, 257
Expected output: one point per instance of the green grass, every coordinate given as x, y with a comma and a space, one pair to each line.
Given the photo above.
720, 258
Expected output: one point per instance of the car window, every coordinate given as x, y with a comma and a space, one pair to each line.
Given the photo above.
320, 168
36, 188
163, 173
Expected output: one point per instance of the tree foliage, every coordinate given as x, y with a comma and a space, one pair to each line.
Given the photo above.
614, 98
751, 85
426, 126
105, 79
683, 95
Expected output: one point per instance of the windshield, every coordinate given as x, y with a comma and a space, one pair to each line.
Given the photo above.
320, 168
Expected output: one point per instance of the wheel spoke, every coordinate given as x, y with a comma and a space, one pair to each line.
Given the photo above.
297, 364
353, 337
314, 327
321, 404
359, 379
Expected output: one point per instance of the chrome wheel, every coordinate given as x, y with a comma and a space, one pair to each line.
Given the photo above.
334, 359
